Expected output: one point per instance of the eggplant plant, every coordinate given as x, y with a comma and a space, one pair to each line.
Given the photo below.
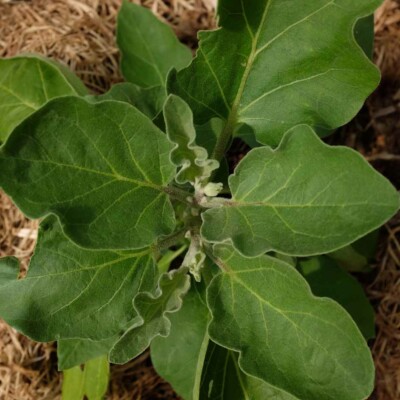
145, 241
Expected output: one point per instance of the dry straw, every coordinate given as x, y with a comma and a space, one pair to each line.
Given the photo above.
81, 33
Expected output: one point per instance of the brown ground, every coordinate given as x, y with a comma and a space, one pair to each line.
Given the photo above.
81, 33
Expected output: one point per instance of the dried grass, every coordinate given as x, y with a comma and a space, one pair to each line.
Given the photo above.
81, 33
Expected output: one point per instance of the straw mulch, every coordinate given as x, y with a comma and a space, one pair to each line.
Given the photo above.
81, 33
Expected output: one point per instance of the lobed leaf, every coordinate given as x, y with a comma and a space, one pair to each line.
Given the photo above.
149, 47
192, 159
305, 346
27, 83
152, 311
73, 293
327, 279
274, 65
102, 168
304, 198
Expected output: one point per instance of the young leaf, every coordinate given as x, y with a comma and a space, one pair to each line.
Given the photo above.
149, 101
71, 292
306, 346
28, 82
73, 352
149, 48
102, 168
179, 357
192, 159
273, 69
152, 319
327, 279
223, 379
90, 383
301, 199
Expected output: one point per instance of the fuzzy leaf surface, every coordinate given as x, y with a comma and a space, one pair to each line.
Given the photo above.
149, 47
222, 379
179, 357
275, 65
261, 305
28, 82
192, 159
71, 292
327, 279
152, 310
102, 168
304, 198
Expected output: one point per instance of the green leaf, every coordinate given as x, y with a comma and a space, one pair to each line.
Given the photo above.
192, 159
102, 168
28, 82
306, 346
327, 279
223, 379
302, 199
72, 293
152, 311
149, 101
357, 256
149, 48
275, 65
73, 352
91, 382
179, 357
364, 34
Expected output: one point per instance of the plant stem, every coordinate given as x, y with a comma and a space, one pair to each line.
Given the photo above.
224, 138
179, 194
171, 240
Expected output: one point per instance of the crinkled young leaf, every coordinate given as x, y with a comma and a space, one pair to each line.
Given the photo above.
149, 101
327, 279
179, 357
73, 352
273, 65
152, 310
306, 346
28, 82
303, 198
149, 47
102, 168
192, 159
71, 292
222, 379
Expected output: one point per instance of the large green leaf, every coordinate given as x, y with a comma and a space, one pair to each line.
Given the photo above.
306, 346
152, 310
149, 101
192, 159
28, 82
71, 292
303, 198
222, 379
327, 279
273, 65
89, 383
149, 47
179, 357
102, 168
